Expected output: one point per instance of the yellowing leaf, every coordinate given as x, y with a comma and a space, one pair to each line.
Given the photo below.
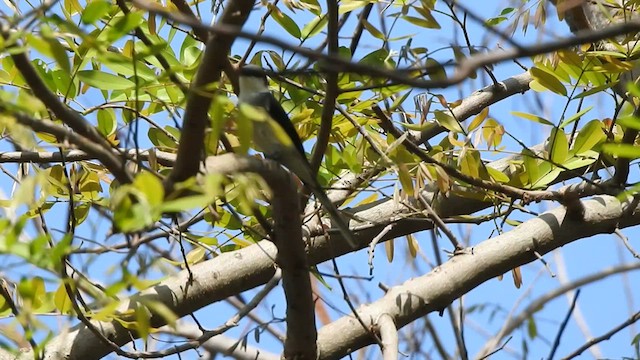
470, 163
478, 119
548, 81
534, 118
62, 301
447, 121
497, 175
405, 179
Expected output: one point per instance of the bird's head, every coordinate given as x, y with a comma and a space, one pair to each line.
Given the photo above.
252, 80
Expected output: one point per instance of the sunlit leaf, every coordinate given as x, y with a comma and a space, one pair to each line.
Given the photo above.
548, 81
532, 117
151, 186
574, 117
447, 121
104, 81
94, 11
314, 27
559, 146
285, 21
589, 136
627, 151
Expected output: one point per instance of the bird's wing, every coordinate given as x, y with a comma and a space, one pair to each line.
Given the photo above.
277, 112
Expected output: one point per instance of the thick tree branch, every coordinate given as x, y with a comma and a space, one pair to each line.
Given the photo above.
201, 285
389, 335
43, 157
460, 274
476, 102
196, 118
249, 267
329, 103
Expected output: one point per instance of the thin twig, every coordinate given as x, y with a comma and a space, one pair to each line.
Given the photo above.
563, 325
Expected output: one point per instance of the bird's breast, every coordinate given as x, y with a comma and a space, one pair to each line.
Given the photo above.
266, 140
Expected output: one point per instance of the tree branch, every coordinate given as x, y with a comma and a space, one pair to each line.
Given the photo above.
398, 76
460, 274
104, 155
196, 118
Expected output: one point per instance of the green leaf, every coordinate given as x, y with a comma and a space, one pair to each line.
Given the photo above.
495, 21
532, 329
160, 138
559, 146
548, 81
186, 203
81, 211
588, 137
547, 178
587, 158
507, 11
94, 11
428, 23
285, 21
151, 186
59, 53
497, 175
575, 117
229, 221
124, 25
314, 27
531, 165
104, 81
627, 151
107, 123
470, 163
62, 301
378, 57
372, 30
534, 118
350, 5
66, 86
595, 90
447, 121
126, 66
631, 122
436, 70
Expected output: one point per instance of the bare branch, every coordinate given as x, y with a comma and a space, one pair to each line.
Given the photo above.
603, 337
491, 258
104, 154
389, 337
43, 157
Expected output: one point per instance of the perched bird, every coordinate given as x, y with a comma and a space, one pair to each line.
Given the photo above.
279, 141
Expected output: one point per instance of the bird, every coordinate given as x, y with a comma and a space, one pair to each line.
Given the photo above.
278, 140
